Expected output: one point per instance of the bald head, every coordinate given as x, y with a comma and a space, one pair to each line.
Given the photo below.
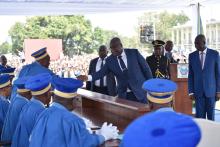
116, 46
103, 51
169, 46
200, 42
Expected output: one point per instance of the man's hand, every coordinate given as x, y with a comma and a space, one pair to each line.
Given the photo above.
82, 77
192, 97
217, 97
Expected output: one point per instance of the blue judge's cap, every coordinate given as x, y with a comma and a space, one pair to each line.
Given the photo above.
4, 80
20, 84
66, 87
162, 129
39, 84
40, 54
159, 90
9, 71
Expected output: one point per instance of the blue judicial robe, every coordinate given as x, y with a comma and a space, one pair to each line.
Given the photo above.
57, 127
27, 119
12, 117
33, 69
4, 105
30, 70
7, 66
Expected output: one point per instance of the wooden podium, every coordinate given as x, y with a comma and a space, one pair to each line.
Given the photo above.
181, 102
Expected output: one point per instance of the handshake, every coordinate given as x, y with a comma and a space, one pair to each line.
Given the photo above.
108, 131
82, 77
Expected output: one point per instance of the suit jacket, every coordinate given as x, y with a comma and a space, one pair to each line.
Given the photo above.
138, 71
207, 80
110, 79
170, 57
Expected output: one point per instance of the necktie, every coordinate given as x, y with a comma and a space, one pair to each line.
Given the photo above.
201, 59
122, 64
102, 79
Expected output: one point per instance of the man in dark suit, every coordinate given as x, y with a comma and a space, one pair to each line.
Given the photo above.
159, 64
169, 47
130, 70
204, 78
3, 61
105, 85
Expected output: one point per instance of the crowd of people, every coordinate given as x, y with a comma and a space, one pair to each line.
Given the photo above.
71, 66
64, 67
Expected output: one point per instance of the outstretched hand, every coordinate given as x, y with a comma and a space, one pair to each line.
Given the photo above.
82, 77
192, 97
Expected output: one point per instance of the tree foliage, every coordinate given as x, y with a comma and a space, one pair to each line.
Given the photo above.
5, 48
164, 21
76, 33
79, 36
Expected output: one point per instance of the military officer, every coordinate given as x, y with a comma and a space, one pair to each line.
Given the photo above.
159, 64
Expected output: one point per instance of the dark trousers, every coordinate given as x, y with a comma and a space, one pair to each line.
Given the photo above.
205, 106
102, 90
130, 96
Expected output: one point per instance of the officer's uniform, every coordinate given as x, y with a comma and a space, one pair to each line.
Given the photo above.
159, 65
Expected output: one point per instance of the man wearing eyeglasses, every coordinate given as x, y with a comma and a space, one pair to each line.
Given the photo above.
129, 68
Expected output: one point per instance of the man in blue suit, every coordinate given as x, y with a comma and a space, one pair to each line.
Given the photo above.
107, 84
130, 70
204, 78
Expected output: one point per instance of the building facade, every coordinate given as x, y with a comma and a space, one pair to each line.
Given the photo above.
182, 36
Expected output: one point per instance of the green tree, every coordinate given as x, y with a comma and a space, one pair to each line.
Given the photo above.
17, 33
164, 21
5, 48
76, 32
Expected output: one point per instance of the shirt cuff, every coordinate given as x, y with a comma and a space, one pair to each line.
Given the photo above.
191, 94
89, 78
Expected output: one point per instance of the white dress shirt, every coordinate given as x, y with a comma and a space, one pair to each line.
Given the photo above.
204, 55
124, 58
98, 67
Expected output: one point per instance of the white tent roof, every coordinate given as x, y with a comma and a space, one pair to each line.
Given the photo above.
65, 7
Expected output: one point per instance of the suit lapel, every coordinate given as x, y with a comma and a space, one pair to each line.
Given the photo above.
115, 64
95, 63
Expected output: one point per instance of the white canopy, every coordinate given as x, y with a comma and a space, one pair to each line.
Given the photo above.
68, 7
